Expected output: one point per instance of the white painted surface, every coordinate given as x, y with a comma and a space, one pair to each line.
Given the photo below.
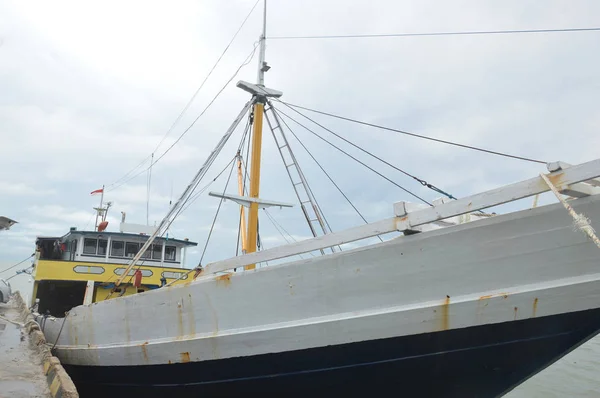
89, 293
389, 289
136, 228
494, 197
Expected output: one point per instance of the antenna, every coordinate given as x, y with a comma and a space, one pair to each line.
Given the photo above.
262, 65
148, 189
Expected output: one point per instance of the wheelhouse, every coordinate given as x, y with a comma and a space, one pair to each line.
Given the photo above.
81, 267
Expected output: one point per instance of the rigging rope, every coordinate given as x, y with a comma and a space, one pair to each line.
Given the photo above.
240, 146
216, 215
421, 181
189, 103
208, 75
580, 221
17, 264
192, 198
462, 33
246, 62
250, 122
23, 271
325, 172
355, 159
415, 135
278, 226
247, 131
195, 196
301, 175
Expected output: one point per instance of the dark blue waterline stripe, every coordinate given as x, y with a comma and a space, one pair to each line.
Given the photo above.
333, 368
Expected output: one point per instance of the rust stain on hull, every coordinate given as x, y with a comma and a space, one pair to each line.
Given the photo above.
489, 296
446, 314
516, 310
534, 309
145, 351
224, 280
185, 357
180, 331
190, 316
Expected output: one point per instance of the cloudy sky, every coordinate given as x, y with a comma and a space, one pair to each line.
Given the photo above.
89, 90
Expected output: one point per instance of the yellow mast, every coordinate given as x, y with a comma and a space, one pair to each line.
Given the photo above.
254, 180
242, 212
256, 146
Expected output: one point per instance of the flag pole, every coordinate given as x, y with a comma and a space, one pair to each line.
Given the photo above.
99, 208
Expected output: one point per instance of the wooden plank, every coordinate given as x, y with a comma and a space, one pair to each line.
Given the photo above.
557, 166
308, 245
505, 194
494, 197
580, 190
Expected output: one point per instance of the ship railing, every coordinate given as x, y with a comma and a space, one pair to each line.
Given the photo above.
573, 180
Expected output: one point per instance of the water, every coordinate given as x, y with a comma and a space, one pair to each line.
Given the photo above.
574, 376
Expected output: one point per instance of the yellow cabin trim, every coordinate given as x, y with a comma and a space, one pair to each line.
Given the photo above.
101, 272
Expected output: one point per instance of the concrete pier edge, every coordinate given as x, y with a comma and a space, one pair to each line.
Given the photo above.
59, 381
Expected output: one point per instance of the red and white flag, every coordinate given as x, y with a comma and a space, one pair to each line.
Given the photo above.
97, 191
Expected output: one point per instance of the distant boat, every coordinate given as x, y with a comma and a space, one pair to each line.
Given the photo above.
462, 304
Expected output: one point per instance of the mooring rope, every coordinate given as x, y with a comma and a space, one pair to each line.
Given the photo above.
581, 222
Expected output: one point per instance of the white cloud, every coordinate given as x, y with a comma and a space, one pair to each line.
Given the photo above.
89, 91
21, 189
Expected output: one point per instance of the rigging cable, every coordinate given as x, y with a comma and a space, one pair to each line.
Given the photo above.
278, 226
23, 271
325, 172
176, 214
246, 62
461, 33
208, 75
194, 197
193, 96
181, 211
17, 264
308, 187
251, 122
419, 180
216, 215
355, 159
416, 135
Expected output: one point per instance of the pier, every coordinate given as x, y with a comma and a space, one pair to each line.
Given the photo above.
27, 367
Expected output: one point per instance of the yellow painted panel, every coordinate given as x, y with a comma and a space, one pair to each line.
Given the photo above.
102, 293
99, 272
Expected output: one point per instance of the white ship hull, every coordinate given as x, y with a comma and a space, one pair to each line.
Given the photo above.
468, 310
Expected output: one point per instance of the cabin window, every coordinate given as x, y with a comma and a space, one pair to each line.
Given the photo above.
170, 253
131, 249
102, 245
156, 252
147, 253
89, 246
117, 248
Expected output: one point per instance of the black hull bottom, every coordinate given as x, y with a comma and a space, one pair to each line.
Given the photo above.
481, 361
